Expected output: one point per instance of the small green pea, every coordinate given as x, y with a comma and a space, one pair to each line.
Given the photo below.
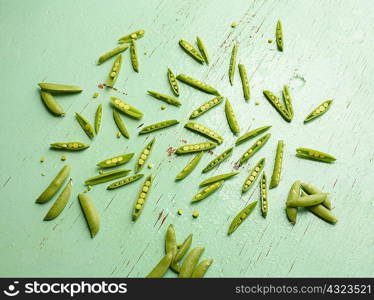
95, 95
234, 24
89, 188
101, 172
150, 166
119, 135
63, 157
195, 214
270, 41
42, 174
257, 103
163, 107
180, 212
42, 159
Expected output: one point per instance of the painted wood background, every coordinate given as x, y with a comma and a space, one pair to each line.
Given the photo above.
328, 55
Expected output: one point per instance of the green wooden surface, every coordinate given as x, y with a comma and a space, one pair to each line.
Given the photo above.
328, 54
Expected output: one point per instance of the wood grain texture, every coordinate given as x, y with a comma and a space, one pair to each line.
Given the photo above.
328, 54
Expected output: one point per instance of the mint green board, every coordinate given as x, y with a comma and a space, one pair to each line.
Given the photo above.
328, 55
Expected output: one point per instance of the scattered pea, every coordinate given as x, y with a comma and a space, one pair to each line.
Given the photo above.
89, 187
42, 174
95, 95
101, 171
257, 103
234, 24
270, 41
195, 214
163, 107
180, 212
150, 166
42, 159
63, 157
119, 135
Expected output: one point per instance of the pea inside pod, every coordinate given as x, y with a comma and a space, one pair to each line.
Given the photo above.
112, 53
142, 197
254, 148
251, 134
217, 178
105, 177
69, 146
276, 103
253, 175
165, 98
190, 166
115, 161
144, 156
190, 50
205, 131
264, 195
120, 124
203, 50
241, 216
279, 35
314, 155
197, 84
206, 106
124, 181
318, 111
218, 160
126, 108
173, 82
132, 36
113, 74
86, 126
158, 126
210, 189
195, 147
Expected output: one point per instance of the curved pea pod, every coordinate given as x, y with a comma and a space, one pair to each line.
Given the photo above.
112, 53
190, 166
165, 98
132, 36
251, 134
143, 195
202, 48
205, 131
293, 194
144, 156
182, 250
279, 35
171, 241
318, 111
288, 101
206, 106
124, 181
195, 147
216, 178
314, 155
98, 117
120, 124
253, 175
126, 108
59, 88
218, 160
232, 66
254, 148
90, 213
245, 83
311, 189
241, 216
197, 84
86, 126
200, 270
275, 177
55, 185
190, 50
60, 203
108, 176
264, 195
309, 200
115, 161
231, 118
210, 189
173, 82
321, 211
161, 268
113, 74
190, 262
276, 103
69, 146
158, 126
51, 103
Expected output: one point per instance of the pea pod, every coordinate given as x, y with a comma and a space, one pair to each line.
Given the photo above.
218, 160
120, 124
276, 103
173, 82
216, 178
132, 36
161, 268
311, 189
264, 195
318, 111
113, 74
202, 48
124, 181
98, 117
134, 56
69, 146
210, 189
60, 203
86, 126
279, 36
51, 103
275, 178
205, 131
115, 161
254, 148
305, 201
200, 270
321, 211
126, 108
231, 118
59, 88
144, 156
55, 185
232, 67
190, 50
314, 155
206, 106
90, 213
190, 262
108, 176
293, 194
165, 98
197, 84
195, 147
288, 101
251, 134
182, 250
143, 195
171, 241
253, 175
158, 126
245, 83
241, 216
190, 166
112, 53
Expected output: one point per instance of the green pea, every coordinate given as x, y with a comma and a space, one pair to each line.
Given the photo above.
86, 126
319, 110
105, 177
112, 53
69, 146
205, 131
190, 166
115, 161
218, 160
126, 108
161, 268
231, 118
51, 103
190, 262
253, 175
158, 126
314, 155
190, 50
113, 74
60, 203
217, 178
275, 178
138, 207
120, 124
241, 216
55, 185
195, 147
90, 213
202, 48
132, 36
144, 156
197, 84
165, 98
